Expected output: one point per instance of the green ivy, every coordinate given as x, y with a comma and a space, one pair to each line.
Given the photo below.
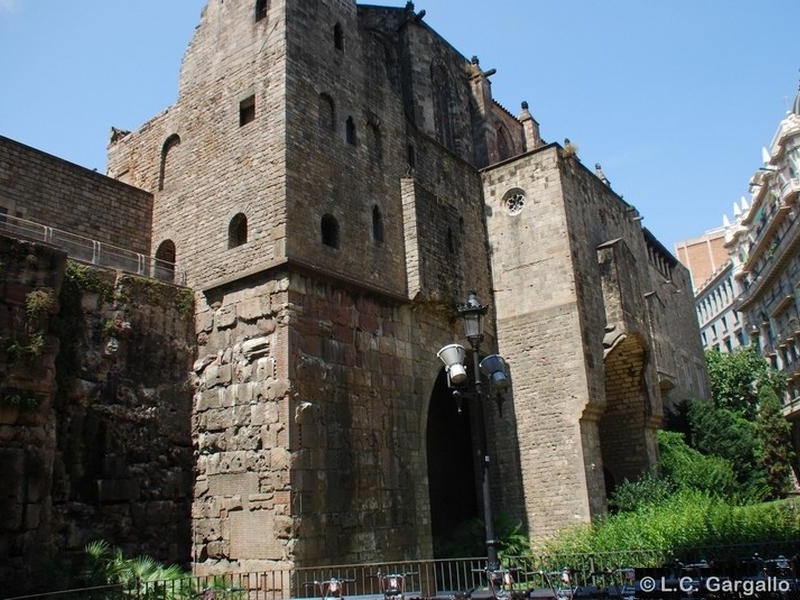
28, 350
184, 303
39, 303
81, 277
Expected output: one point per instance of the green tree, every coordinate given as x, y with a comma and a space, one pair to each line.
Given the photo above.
743, 423
775, 434
726, 433
688, 468
735, 378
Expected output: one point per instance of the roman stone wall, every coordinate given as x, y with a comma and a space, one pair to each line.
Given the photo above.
205, 161
123, 470
242, 516
310, 417
28, 350
94, 413
40, 187
359, 481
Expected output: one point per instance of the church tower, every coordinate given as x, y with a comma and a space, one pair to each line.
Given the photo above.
335, 179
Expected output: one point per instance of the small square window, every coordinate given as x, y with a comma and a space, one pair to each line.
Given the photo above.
247, 110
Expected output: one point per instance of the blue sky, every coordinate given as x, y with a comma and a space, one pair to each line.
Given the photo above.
674, 99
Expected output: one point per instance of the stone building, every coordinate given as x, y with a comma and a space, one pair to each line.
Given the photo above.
95, 438
334, 179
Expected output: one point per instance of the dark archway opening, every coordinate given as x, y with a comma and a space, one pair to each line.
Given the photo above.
451, 476
165, 261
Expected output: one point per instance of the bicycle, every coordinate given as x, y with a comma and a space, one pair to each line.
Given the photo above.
393, 585
329, 588
560, 583
501, 583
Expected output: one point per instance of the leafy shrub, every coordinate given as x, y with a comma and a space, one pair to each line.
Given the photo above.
686, 521
690, 469
735, 378
143, 575
732, 436
469, 539
648, 489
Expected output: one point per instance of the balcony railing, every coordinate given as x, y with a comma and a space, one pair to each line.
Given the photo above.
758, 278
91, 251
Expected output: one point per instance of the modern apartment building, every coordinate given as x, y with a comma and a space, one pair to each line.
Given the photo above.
715, 288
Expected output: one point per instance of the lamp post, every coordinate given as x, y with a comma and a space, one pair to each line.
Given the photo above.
494, 368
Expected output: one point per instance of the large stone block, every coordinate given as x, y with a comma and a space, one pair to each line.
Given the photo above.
230, 484
253, 534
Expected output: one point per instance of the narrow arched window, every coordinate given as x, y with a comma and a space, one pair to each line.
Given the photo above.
375, 144
377, 225
237, 231
443, 106
164, 168
503, 143
338, 37
262, 6
350, 131
411, 158
327, 114
451, 244
165, 261
329, 228
247, 110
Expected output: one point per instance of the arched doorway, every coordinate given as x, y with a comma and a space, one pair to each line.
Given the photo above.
452, 475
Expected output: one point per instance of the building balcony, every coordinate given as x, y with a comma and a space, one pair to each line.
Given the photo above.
790, 191
791, 406
783, 252
769, 223
780, 304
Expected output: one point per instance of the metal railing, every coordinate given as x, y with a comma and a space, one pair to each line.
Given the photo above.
91, 251
441, 578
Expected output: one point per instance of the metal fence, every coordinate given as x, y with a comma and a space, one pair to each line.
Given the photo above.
91, 251
532, 576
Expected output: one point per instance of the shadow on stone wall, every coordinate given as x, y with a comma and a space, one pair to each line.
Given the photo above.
95, 414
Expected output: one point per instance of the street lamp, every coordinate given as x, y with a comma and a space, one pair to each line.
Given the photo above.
495, 370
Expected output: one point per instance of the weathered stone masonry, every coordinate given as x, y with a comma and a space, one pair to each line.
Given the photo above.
48, 190
334, 179
347, 139
94, 413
